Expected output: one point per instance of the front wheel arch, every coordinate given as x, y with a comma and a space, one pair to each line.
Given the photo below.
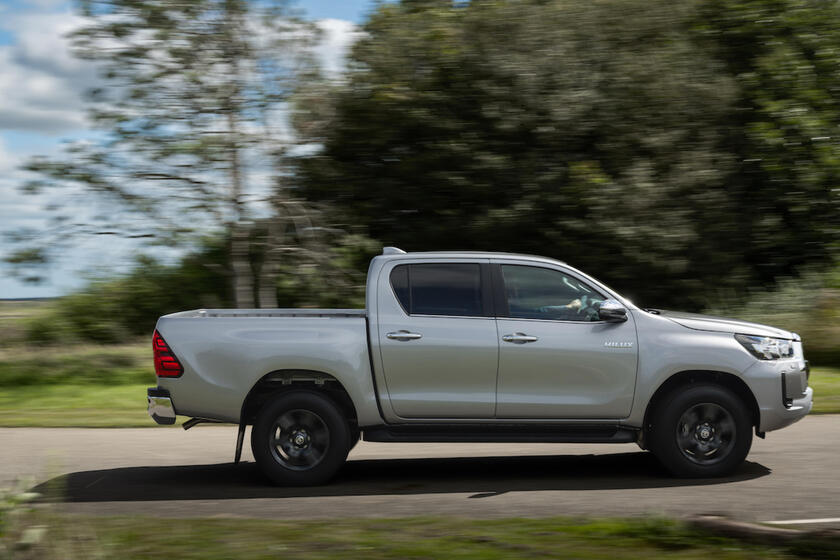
702, 430
688, 378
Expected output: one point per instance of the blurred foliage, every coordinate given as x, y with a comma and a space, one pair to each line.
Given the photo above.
115, 310
682, 152
338, 280
17, 536
78, 365
678, 151
808, 305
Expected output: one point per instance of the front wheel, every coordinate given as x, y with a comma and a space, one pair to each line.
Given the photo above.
300, 439
701, 431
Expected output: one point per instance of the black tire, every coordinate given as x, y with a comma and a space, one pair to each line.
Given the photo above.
701, 431
300, 439
355, 438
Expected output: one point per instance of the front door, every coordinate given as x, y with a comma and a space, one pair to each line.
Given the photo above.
557, 359
438, 339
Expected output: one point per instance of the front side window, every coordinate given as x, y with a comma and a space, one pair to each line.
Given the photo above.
542, 293
439, 289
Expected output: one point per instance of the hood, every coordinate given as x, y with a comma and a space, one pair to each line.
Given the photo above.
722, 324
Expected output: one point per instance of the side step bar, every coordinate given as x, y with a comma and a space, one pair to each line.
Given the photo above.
502, 433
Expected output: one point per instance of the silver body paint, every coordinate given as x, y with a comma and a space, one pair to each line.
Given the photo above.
461, 369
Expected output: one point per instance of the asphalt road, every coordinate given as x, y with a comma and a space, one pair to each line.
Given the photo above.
792, 475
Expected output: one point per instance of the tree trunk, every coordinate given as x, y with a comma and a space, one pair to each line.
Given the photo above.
243, 277
268, 279
270, 269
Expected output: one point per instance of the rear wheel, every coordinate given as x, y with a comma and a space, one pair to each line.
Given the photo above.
355, 438
701, 431
300, 439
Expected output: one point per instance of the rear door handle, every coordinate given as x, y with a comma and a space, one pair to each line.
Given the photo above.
404, 335
519, 338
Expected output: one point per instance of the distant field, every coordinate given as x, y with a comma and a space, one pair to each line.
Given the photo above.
9, 307
17, 309
14, 314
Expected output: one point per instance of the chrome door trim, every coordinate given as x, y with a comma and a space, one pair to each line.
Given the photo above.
520, 338
404, 335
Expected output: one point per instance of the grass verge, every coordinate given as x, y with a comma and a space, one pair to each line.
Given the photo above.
99, 365
826, 384
84, 406
208, 539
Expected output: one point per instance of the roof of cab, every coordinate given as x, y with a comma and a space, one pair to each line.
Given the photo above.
397, 252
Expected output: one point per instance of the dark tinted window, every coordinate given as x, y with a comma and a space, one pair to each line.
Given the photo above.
542, 293
399, 281
439, 289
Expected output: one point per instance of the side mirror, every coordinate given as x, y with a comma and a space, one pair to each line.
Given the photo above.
612, 311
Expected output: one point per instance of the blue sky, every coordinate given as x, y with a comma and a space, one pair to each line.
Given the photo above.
41, 108
351, 10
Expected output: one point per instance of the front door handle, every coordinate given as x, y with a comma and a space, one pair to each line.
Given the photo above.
404, 335
519, 338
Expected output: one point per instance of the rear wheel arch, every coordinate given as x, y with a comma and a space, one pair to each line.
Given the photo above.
278, 382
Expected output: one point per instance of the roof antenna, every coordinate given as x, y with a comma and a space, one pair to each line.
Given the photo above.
392, 251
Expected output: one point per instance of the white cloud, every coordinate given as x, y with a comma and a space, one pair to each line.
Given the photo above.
338, 36
41, 82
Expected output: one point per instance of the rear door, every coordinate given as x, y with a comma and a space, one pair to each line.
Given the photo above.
438, 338
557, 359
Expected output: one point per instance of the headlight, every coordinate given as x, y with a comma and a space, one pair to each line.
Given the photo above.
766, 348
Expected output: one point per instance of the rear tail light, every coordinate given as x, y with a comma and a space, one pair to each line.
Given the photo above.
166, 364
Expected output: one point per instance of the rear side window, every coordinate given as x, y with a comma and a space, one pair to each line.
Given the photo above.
439, 289
399, 282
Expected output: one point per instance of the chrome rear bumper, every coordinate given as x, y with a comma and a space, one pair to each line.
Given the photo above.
160, 406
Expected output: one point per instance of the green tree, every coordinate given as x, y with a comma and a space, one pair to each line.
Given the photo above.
598, 132
192, 120
784, 57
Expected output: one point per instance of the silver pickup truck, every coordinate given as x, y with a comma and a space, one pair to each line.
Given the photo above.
479, 347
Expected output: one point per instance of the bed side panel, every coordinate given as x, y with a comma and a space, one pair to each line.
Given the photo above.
223, 357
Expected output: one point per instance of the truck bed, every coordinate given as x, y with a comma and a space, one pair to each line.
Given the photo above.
225, 352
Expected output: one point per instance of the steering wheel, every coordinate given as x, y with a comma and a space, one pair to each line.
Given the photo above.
589, 308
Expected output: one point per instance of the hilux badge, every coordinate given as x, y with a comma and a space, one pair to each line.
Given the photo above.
615, 344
